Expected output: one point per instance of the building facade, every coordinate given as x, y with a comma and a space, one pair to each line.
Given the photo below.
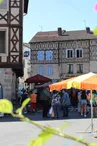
26, 64
61, 54
11, 37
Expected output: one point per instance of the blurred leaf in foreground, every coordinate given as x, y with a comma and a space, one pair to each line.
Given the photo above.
93, 144
45, 135
6, 106
25, 102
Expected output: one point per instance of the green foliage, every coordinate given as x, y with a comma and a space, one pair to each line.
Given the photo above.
25, 102
93, 144
41, 139
45, 135
6, 106
1, 1
19, 110
46, 131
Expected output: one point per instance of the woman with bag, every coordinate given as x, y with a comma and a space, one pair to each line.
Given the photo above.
56, 105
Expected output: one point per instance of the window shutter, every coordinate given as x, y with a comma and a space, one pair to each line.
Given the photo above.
41, 70
49, 71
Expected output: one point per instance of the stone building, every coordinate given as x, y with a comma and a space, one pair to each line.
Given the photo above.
11, 37
62, 54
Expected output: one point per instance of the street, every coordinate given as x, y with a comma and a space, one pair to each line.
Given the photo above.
17, 133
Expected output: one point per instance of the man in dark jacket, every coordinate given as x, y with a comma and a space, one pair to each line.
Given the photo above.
45, 97
65, 102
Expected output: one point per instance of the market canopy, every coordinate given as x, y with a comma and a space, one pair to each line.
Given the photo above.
38, 79
86, 81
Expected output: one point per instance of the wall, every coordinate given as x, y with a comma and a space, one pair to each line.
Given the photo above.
55, 71
7, 81
59, 61
26, 60
93, 66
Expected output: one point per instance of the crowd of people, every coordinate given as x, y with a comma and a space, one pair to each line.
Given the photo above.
52, 103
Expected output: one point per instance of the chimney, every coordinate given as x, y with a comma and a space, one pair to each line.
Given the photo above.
59, 31
88, 30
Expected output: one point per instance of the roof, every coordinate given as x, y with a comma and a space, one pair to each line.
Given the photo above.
66, 35
77, 35
45, 36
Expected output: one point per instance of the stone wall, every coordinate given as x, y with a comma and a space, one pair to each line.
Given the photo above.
7, 81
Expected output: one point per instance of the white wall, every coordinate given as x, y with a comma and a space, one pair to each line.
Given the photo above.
26, 66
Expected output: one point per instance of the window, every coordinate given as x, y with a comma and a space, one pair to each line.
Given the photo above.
79, 68
69, 53
49, 71
40, 55
3, 42
49, 55
79, 53
70, 68
41, 70
4, 5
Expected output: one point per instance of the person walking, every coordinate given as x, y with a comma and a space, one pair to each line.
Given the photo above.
45, 97
74, 99
24, 97
33, 97
79, 101
65, 102
56, 105
94, 102
83, 103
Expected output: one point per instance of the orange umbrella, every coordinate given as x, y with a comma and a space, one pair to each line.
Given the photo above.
60, 85
86, 82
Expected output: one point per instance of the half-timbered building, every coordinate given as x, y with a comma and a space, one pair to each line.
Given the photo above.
62, 54
11, 40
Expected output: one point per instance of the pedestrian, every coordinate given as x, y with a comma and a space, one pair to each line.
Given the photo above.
65, 102
79, 101
33, 97
56, 104
24, 97
45, 97
94, 102
83, 103
74, 99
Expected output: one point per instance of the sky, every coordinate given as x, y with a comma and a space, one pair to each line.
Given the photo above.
48, 15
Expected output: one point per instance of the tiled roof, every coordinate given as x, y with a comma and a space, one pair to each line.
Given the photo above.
66, 35
77, 35
45, 36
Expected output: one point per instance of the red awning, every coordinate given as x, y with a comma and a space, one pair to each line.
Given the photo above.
38, 79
